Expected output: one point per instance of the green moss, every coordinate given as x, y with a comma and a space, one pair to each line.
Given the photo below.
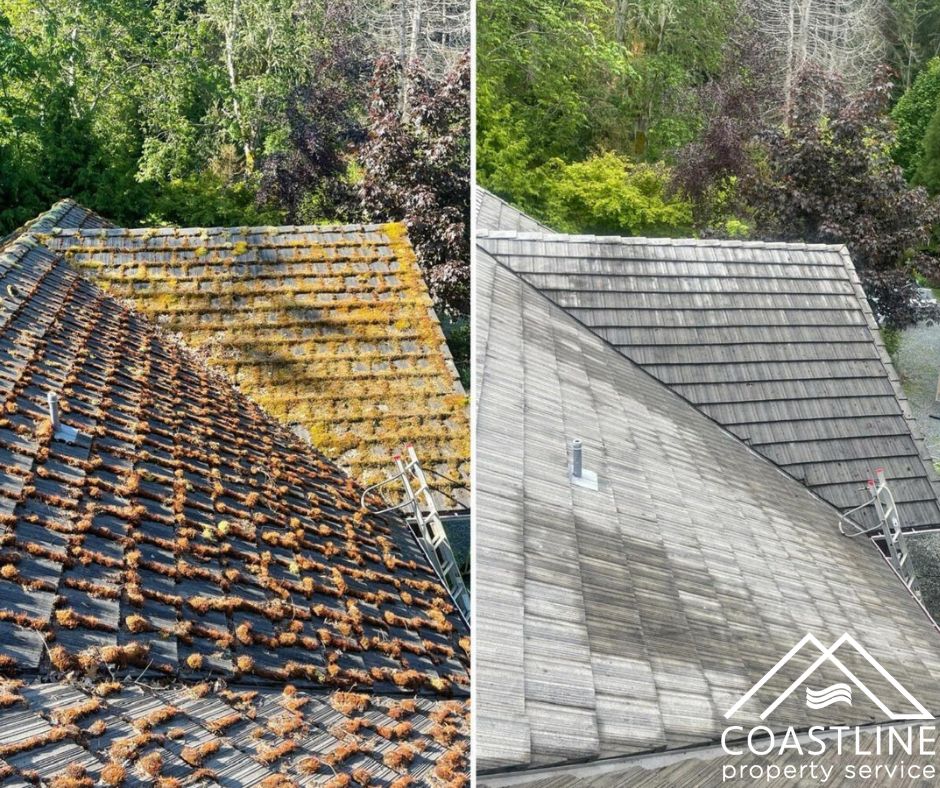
892, 339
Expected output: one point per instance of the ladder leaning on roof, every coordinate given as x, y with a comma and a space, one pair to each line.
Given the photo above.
889, 523
427, 524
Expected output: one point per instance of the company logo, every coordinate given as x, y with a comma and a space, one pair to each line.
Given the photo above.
836, 693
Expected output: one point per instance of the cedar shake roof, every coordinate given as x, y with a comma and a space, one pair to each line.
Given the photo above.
186, 537
65, 214
494, 213
330, 329
628, 619
776, 342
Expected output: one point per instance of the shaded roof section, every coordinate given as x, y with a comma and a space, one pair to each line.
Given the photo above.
185, 532
776, 342
208, 734
330, 329
630, 618
66, 214
494, 213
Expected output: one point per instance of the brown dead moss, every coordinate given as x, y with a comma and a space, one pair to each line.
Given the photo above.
269, 754
74, 776
348, 702
400, 758
113, 774
195, 756
72, 714
151, 764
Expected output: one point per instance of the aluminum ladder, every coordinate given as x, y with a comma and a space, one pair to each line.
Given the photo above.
889, 523
427, 524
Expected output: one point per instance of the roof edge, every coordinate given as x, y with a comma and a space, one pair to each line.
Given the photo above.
259, 229
647, 759
892, 374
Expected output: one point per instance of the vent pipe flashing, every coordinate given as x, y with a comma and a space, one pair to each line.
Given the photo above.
580, 476
60, 432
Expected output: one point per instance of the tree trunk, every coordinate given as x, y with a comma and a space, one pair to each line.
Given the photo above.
229, 32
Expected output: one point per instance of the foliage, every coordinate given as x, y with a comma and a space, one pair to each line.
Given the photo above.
892, 339
912, 114
310, 179
927, 173
206, 200
912, 30
549, 84
830, 179
609, 194
711, 167
559, 81
416, 168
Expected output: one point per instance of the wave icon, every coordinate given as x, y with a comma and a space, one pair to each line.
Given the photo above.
837, 693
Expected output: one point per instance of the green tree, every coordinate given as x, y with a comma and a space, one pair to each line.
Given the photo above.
912, 114
609, 194
928, 163
550, 82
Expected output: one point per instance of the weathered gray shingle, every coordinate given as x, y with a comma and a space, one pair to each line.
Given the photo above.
494, 213
776, 342
630, 618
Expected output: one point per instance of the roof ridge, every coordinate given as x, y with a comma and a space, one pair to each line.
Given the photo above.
259, 229
512, 235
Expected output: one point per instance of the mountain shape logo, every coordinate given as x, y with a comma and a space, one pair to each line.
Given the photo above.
836, 693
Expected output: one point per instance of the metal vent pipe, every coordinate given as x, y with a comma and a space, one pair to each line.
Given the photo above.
576, 458
53, 399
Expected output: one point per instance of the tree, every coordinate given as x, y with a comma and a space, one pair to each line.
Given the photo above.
310, 179
913, 36
736, 107
912, 114
416, 168
927, 173
434, 32
550, 84
829, 178
841, 38
609, 194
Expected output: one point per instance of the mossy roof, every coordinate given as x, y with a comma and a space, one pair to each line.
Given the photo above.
330, 329
185, 531
140, 733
